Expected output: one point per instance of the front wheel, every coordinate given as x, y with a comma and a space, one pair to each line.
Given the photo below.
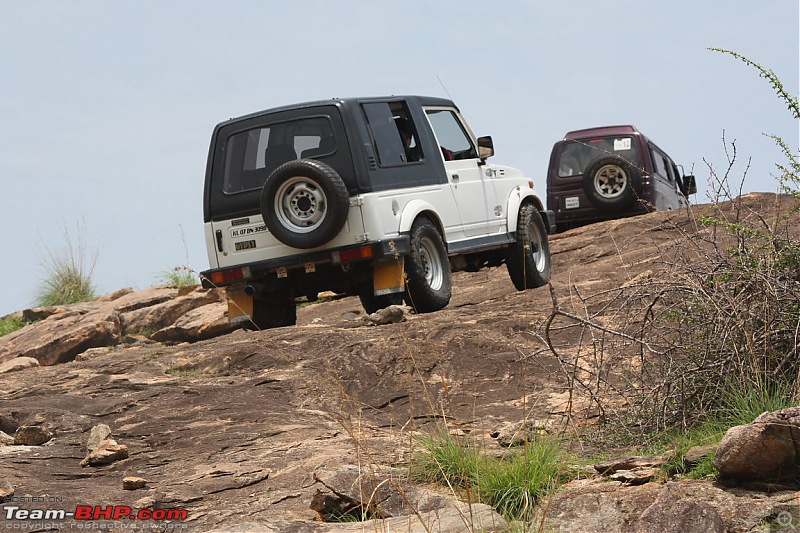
528, 260
428, 278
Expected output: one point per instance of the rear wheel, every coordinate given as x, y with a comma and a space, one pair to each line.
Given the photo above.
273, 310
428, 277
528, 260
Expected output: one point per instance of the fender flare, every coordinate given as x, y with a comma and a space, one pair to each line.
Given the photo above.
414, 209
515, 200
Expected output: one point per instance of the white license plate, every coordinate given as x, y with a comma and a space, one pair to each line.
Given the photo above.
248, 230
573, 202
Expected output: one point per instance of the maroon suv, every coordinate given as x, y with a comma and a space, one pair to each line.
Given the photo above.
611, 172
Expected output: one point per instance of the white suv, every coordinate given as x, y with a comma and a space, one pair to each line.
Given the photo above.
377, 197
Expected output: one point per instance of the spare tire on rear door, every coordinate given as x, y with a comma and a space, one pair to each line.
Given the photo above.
304, 203
612, 183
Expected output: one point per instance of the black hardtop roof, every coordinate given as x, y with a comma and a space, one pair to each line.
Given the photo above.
602, 131
348, 102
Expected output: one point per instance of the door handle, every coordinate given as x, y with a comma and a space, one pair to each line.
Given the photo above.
455, 177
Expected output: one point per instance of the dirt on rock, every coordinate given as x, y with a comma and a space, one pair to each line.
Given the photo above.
237, 429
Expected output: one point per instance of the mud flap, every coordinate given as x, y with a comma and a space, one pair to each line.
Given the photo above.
240, 304
388, 276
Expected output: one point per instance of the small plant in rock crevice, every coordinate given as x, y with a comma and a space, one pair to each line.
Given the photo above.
10, 324
512, 483
180, 276
68, 272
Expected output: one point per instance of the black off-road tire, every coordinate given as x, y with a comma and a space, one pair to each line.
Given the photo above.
304, 203
612, 183
528, 259
428, 277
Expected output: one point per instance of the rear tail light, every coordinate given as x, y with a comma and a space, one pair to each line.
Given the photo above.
229, 276
354, 254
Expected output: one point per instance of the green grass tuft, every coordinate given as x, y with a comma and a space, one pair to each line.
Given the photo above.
68, 278
180, 276
514, 483
184, 371
511, 484
11, 324
445, 460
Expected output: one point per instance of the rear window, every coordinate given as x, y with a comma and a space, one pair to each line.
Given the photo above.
252, 155
579, 154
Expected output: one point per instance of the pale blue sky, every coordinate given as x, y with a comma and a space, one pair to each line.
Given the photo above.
107, 107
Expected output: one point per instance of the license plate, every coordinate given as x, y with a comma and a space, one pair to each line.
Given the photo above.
244, 245
573, 202
248, 230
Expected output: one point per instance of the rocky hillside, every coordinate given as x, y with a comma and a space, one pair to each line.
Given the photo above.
149, 401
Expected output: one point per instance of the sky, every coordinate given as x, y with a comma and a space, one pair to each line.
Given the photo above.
107, 107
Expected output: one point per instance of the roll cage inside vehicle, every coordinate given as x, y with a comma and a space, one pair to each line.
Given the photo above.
378, 197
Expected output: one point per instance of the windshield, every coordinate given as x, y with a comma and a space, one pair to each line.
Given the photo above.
577, 155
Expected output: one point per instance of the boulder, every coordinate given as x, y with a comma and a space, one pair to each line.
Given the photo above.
61, 333
371, 491
97, 435
764, 450
140, 299
6, 491
62, 336
636, 476
356, 491
31, 436
133, 483
6, 439
18, 363
672, 511
163, 314
389, 315
695, 454
687, 506
520, 433
107, 452
205, 322
629, 463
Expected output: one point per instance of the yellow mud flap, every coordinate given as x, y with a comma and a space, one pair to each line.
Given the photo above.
240, 305
387, 275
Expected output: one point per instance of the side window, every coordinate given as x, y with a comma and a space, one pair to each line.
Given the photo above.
450, 134
660, 164
393, 133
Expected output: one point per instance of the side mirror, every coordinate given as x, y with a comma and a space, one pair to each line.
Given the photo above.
689, 185
485, 147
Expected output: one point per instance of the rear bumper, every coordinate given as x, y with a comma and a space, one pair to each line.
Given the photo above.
337, 256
